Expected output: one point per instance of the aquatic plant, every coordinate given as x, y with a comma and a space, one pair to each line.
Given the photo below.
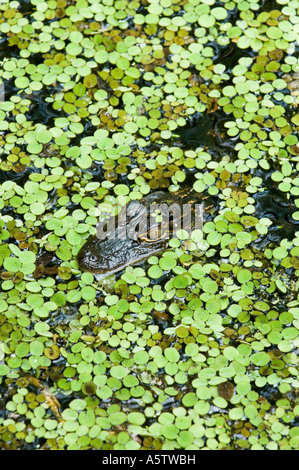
103, 103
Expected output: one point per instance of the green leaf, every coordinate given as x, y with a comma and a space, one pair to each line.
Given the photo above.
260, 358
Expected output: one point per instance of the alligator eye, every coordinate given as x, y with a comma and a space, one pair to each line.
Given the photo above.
133, 209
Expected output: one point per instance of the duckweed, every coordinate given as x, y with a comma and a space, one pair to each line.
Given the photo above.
102, 104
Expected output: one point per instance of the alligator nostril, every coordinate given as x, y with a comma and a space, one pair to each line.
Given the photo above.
270, 215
